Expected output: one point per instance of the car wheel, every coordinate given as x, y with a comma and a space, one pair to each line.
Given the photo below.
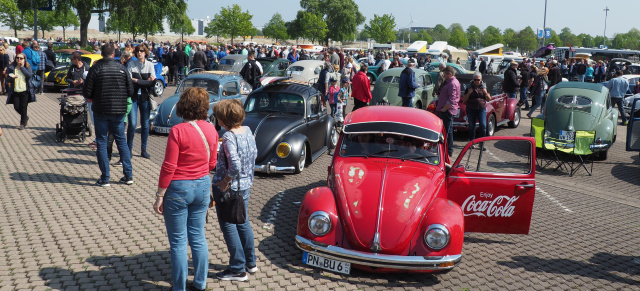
419, 105
158, 87
602, 156
303, 159
516, 119
491, 125
214, 121
334, 137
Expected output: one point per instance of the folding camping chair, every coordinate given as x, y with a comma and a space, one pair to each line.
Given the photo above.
576, 153
545, 154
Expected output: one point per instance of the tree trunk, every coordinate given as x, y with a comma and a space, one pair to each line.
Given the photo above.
64, 37
15, 33
85, 17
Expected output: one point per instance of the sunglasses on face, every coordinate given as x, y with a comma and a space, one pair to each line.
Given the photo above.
19, 58
477, 80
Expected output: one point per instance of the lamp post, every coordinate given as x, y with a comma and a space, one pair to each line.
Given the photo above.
604, 35
544, 25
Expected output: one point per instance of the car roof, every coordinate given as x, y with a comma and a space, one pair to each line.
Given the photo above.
235, 57
308, 63
400, 117
219, 75
577, 86
397, 71
289, 86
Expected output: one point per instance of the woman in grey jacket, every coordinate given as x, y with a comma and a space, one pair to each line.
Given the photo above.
143, 76
19, 90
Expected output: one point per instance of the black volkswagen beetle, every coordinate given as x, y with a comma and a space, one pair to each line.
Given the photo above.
290, 125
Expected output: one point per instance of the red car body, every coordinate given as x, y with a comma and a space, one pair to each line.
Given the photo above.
501, 109
380, 208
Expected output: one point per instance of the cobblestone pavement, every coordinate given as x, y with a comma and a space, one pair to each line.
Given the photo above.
59, 232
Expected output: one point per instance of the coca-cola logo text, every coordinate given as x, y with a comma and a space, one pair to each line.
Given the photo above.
501, 206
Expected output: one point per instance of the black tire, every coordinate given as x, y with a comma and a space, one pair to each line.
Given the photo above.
419, 105
303, 160
82, 136
491, 125
213, 120
61, 137
602, 156
158, 88
516, 118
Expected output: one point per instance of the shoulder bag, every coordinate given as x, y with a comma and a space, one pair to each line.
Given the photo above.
206, 145
229, 204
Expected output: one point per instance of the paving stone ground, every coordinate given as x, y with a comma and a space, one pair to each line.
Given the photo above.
60, 232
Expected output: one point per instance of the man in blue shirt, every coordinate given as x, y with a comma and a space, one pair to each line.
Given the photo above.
222, 53
408, 85
618, 87
293, 56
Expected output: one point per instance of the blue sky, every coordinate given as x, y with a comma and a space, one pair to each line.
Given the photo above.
584, 16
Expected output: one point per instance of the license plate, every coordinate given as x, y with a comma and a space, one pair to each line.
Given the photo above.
325, 263
162, 129
296, 73
48, 83
567, 135
382, 103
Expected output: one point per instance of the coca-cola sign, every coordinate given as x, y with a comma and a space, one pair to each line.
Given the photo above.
500, 206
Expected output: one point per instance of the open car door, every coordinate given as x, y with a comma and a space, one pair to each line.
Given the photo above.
633, 129
494, 183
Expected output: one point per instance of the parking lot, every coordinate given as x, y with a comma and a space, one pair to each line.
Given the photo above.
58, 231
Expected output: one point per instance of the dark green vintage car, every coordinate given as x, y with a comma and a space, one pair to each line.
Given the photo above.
576, 109
385, 91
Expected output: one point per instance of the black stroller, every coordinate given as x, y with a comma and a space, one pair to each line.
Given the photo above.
74, 120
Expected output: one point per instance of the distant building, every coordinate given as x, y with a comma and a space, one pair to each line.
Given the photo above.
199, 25
101, 23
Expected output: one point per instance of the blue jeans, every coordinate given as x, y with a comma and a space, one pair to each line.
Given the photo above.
523, 97
447, 121
407, 102
481, 116
580, 78
539, 103
145, 111
239, 239
185, 208
618, 101
115, 124
512, 94
333, 109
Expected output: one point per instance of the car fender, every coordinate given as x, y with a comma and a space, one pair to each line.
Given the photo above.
445, 212
606, 130
320, 199
510, 108
296, 141
330, 124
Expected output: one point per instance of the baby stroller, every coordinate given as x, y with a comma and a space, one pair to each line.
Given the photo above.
73, 116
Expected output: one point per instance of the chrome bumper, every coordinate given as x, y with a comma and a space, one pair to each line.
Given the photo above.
435, 263
602, 146
269, 169
460, 124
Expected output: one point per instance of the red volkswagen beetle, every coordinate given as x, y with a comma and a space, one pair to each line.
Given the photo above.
393, 203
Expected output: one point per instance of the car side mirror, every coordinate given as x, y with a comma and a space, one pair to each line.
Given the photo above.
459, 169
314, 117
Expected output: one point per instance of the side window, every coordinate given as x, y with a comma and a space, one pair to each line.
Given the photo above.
230, 89
314, 104
387, 79
420, 81
497, 89
427, 79
499, 156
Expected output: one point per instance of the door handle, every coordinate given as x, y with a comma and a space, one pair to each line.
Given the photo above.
524, 185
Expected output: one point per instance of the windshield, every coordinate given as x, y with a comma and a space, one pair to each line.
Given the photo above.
275, 102
389, 145
63, 58
212, 86
228, 62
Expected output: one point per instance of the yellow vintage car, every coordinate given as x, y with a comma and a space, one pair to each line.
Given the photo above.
57, 78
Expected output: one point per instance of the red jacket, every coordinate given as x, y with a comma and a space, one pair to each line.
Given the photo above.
361, 87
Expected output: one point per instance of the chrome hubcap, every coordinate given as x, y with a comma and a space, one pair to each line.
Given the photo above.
303, 158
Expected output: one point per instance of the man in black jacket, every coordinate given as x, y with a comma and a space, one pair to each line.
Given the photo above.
581, 70
511, 82
525, 82
180, 59
483, 66
109, 85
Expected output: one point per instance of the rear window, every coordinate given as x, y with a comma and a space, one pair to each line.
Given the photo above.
390, 79
574, 103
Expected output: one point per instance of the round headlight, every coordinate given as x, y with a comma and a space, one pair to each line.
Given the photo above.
283, 150
58, 79
319, 223
437, 236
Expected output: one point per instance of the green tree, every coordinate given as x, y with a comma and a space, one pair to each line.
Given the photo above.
424, 35
308, 25
491, 35
181, 24
46, 21
599, 40
340, 16
526, 39
474, 35
65, 17
458, 38
555, 39
455, 26
568, 38
233, 22
363, 35
509, 37
11, 16
586, 40
276, 28
439, 33
84, 9
381, 28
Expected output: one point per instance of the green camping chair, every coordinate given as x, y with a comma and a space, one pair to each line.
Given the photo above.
545, 153
577, 153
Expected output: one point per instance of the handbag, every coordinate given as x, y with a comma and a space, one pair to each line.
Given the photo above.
230, 203
153, 104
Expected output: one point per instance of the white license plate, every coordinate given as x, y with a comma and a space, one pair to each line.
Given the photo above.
162, 129
567, 135
382, 103
48, 83
325, 263
296, 73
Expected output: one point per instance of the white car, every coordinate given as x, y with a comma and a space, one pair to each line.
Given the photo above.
309, 71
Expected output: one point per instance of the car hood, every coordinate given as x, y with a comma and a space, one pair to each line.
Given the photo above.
392, 193
166, 115
268, 129
57, 72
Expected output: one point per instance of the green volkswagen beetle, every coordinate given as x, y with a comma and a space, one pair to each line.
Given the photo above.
434, 68
385, 92
581, 107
